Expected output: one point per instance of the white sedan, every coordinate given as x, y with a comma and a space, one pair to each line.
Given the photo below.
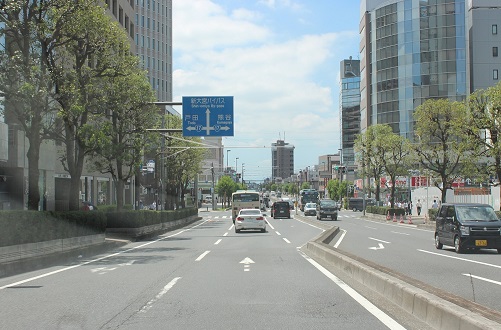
310, 209
250, 219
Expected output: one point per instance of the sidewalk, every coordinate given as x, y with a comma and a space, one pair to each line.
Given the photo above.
419, 221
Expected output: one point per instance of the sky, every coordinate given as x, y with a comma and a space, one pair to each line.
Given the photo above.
280, 60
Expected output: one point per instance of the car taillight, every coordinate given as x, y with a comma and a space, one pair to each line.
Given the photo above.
240, 219
259, 218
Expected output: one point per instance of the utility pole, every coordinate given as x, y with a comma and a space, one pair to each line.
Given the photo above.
213, 199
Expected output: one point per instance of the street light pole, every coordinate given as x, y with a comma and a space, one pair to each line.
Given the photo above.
236, 169
243, 173
227, 159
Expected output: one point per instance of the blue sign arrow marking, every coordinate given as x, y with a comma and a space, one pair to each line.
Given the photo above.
208, 116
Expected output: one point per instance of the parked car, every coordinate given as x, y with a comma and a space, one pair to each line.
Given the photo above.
467, 226
281, 209
327, 208
310, 209
250, 219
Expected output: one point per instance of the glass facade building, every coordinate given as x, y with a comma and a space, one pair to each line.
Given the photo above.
411, 50
349, 99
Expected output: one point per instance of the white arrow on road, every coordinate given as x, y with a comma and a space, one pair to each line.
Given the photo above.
247, 261
381, 246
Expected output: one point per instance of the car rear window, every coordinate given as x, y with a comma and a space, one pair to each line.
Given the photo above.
250, 212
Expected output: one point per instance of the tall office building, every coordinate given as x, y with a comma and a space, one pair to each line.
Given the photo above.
282, 156
153, 41
349, 109
484, 40
411, 50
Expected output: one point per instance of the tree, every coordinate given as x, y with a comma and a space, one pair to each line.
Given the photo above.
118, 138
485, 121
333, 189
225, 187
29, 28
183, 160
443, 145
396, 158
370, 151
89, 50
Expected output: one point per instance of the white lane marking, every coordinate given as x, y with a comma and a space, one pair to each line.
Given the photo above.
278, 233
270, 224
231, 227
309, 224
340, 238
371, 308
200, 257
286, 240
483, 279
397, 232
218, 241
247, 262
216, 217
98, 259
381, 246
166, 288
370, 227
225, 234
225, 216
379, 240
458, 258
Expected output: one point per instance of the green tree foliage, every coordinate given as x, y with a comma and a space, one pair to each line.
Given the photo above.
182, 159
443, 146
24, 76
395, 153
370, 150
90, 50
333, 189
485, 121
225, 187
118, 138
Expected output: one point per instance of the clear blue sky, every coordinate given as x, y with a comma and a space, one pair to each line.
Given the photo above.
279, 59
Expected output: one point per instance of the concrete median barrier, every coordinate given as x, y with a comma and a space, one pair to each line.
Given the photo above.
437, 312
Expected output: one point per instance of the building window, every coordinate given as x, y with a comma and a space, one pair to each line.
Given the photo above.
494, 29
495, 74
494, 51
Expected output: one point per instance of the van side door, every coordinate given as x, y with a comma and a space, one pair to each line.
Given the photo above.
449, 225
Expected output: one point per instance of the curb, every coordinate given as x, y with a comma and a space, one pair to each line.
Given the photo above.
433, 310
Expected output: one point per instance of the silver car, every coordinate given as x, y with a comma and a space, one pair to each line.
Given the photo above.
310, 209
250, 219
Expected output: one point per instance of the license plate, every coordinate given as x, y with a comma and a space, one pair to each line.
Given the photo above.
481, 242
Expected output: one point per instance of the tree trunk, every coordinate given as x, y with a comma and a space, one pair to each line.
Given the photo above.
120, 194
33, 171
137, 191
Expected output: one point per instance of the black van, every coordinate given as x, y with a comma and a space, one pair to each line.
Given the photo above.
357, 204
467, 226
281, 209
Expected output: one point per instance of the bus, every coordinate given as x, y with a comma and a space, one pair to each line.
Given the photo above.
244, 199
307, 196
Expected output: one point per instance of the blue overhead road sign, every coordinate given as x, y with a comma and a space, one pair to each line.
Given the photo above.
208, 116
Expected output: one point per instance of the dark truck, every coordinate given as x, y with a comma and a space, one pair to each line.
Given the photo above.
467, 226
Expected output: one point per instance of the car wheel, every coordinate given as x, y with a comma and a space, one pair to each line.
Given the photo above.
263, 230
499, 251
438, 245
237, 230
354, 209
334, 218
457, 245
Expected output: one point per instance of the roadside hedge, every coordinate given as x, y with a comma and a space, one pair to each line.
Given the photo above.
21, 227
383, 210
137, 219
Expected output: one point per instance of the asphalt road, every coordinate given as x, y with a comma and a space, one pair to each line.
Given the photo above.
475, 276
204, 276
